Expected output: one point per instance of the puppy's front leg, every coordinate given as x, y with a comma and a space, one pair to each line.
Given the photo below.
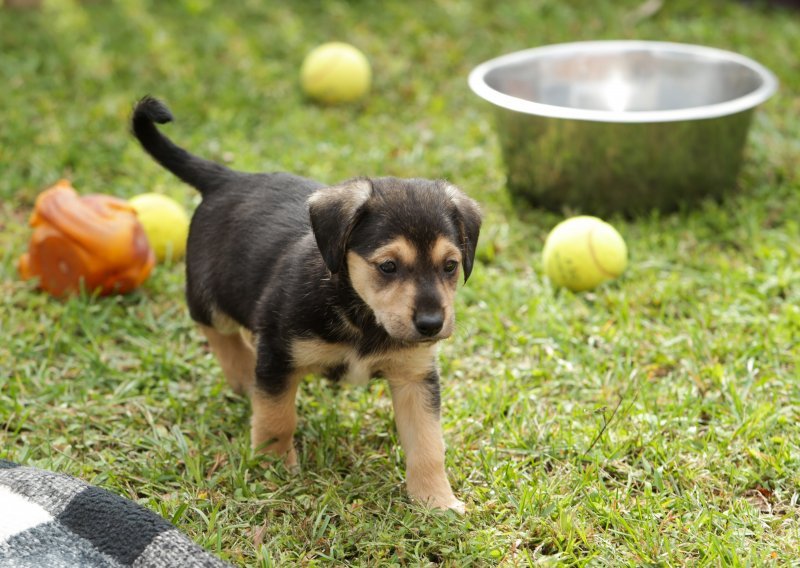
416, 405
274, 413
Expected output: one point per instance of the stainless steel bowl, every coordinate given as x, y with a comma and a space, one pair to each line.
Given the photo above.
622, 126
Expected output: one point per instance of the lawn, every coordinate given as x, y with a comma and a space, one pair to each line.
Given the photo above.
653, 421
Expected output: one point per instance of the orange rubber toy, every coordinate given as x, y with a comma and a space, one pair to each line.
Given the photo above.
94, 242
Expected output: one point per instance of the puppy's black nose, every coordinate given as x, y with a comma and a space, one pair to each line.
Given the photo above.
429, 323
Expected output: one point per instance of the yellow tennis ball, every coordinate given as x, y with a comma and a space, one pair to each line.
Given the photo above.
583, 252
335, 72
165, 223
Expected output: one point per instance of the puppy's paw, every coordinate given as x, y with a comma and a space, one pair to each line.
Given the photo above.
448, 503
458, 506
278, 449
290, 462
442, 500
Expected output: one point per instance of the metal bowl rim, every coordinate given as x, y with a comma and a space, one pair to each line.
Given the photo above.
477, 82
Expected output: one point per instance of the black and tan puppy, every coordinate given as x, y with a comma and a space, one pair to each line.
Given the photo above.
352, 281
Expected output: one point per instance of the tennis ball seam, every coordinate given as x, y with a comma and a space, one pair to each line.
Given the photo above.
596, 258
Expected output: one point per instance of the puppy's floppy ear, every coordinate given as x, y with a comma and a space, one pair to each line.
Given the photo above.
467, 217
334, 212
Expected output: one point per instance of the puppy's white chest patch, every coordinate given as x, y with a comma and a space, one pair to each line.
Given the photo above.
335, 360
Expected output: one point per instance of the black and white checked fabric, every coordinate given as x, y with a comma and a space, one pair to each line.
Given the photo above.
56, 521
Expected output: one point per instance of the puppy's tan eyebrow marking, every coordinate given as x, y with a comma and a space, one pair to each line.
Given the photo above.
399, 249
443, 249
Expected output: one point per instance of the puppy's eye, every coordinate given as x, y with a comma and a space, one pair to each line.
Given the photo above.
450, 266
388, 267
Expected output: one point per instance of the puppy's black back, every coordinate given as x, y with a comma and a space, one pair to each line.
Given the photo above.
237, 237
245, 224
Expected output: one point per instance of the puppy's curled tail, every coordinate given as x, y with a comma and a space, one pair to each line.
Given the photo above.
203, 174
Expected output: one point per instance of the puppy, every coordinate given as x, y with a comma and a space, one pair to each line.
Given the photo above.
287, 276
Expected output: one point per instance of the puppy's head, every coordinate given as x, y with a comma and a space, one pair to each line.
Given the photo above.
402, 243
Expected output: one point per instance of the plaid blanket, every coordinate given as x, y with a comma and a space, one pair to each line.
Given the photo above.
53, 520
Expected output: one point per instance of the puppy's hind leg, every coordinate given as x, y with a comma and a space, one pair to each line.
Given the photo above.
236, 356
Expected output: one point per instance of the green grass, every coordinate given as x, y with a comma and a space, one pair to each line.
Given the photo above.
653, 421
